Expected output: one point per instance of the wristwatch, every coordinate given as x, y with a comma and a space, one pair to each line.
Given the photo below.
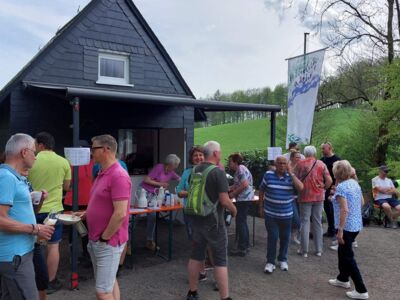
103, 240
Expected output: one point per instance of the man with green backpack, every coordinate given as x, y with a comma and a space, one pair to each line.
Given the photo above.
208, 196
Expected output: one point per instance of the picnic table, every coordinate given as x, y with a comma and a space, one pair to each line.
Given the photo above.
134, 211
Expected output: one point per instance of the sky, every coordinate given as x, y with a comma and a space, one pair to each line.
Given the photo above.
224, 45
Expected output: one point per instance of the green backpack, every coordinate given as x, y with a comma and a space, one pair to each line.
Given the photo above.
198, 203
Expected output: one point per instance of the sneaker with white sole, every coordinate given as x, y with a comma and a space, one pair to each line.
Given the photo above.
269, 268
299, 252
356, 295
283, 265
319, 254
334, 247
339, 283
355, 244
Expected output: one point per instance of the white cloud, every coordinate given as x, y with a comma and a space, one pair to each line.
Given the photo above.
226, 45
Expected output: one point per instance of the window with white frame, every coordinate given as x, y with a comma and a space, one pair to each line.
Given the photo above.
113, 69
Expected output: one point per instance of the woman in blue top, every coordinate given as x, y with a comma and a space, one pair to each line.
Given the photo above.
196, 155
242, 190
347, 202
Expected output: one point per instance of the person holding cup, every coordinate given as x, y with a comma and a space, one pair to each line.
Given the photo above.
18, 227
158, 177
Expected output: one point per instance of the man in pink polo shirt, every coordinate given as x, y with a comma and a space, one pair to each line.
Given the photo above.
108, 216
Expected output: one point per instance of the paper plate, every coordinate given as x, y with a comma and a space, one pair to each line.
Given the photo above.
68, 219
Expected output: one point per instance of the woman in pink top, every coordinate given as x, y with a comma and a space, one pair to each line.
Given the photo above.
158, 177
315, 176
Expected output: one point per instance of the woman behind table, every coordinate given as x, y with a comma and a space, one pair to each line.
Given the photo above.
347, 202
158, 177
242, 190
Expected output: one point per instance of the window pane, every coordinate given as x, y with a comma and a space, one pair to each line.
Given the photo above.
111, 67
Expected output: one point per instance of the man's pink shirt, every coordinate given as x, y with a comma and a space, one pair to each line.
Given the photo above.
114, 184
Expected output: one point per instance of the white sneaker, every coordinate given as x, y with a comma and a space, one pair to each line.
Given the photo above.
355, 244
269, 268
299, 252
339, 283
356, 295
319, 254
283, 265
334, 247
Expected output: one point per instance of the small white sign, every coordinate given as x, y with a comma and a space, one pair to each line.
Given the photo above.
77, 156
273, 152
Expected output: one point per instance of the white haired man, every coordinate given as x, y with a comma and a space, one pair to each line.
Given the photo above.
316, 179
277, 191
210, 230
18, 226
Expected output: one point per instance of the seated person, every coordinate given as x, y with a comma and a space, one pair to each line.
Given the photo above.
158, 177
385, 195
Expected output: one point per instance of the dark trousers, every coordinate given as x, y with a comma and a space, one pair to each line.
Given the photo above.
241, 224
347, 264
328, 208
277, 229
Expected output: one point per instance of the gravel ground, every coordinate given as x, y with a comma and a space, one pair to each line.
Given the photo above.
378, 257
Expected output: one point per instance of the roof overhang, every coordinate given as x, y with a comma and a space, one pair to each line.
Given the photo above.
147, 98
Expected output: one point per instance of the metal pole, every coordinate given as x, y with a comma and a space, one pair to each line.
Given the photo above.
273, 128
75, 137
304, 64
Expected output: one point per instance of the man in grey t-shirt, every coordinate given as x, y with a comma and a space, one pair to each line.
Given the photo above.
208, 231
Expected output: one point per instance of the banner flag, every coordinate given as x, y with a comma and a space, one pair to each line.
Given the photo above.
304, 75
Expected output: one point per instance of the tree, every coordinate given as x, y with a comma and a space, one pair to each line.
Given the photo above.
361, 27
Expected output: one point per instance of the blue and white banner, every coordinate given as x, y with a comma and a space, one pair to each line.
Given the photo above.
304, 75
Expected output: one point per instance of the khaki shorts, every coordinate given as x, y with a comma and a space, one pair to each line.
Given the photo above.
105, 260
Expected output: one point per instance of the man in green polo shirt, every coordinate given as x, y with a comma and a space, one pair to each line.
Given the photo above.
50, 172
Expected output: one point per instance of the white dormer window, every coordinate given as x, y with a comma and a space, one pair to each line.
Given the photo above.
113, 69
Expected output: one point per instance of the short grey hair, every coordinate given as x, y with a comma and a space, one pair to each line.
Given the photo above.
106, 140
210, 147
172, 159
17, 142
310, 151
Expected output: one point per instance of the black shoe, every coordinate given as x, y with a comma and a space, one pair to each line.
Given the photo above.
202, 276
215, 286
53, 286
329, 234
192, 296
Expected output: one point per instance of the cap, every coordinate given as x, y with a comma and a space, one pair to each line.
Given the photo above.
384, 168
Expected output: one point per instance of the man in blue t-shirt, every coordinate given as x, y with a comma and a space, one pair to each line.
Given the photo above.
17, 221
277, 191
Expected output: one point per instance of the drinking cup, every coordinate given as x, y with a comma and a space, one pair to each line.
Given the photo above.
36, 197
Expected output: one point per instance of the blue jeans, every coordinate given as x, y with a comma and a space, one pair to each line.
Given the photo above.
241, 224
296, 217
277, 229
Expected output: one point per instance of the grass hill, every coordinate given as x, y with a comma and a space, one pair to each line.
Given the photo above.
331, 125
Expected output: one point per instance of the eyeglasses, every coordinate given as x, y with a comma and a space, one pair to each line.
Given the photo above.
33, 151
96, 147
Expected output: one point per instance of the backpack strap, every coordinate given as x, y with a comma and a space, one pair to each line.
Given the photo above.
204, 178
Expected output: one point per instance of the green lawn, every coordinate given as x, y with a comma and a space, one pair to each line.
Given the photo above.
330, 125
